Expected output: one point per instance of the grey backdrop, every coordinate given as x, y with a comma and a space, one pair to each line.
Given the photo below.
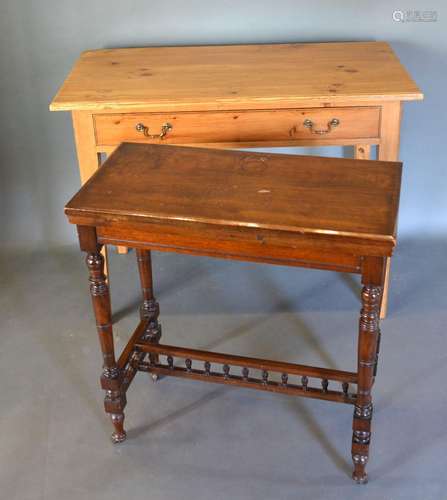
40, 40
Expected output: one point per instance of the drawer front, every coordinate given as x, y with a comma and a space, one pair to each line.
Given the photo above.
239, 126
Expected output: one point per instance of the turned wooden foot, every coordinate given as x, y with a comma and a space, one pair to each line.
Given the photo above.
119, 434
360, 442
359, 475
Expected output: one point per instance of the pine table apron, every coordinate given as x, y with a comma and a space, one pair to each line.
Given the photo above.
347, 225
313, 94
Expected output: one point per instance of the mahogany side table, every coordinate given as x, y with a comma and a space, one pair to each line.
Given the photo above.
323, 213
295, 94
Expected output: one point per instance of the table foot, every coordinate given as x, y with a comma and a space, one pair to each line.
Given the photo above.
119, 434
360, 477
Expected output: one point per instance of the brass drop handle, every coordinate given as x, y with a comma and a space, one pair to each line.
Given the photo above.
322, 131
165, 128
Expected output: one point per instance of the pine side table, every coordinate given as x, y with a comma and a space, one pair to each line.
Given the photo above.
324, 213
298, 94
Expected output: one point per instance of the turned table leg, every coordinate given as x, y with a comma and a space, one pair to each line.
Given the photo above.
111, 378
369, 333
149, 308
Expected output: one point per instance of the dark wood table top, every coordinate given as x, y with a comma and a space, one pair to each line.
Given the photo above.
301, 194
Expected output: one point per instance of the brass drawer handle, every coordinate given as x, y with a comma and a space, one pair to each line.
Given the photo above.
330, 125
165, 128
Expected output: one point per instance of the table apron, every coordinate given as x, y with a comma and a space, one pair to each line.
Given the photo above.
231, 244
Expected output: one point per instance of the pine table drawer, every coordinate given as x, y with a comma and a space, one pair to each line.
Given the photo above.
239, 126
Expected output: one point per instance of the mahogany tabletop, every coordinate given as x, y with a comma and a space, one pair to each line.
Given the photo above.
334, 197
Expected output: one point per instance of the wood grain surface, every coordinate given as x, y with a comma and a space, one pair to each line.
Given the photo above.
234, 77
301, 194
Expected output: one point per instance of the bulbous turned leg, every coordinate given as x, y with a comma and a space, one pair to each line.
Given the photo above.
149, 308
367, 347
111, 378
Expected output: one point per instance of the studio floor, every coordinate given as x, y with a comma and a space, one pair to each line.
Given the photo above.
198, 441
